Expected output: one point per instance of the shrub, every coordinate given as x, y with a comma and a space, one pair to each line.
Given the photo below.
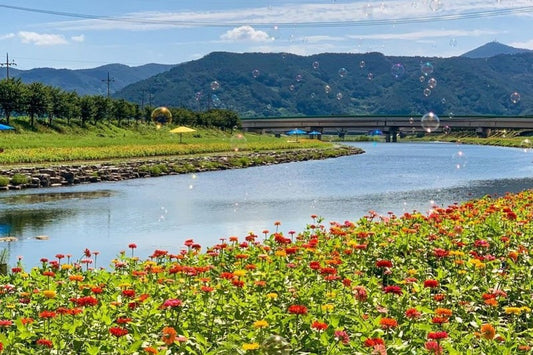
4, 181
19, 179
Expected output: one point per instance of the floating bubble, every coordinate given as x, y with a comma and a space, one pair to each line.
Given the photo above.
198, 96
238, 142
370, 76
161, 115
327, 89
432, 83
216, 100
339, 96
299, 77
269, 107
422, 78
453, 42
255, 73
397, 70
435, 5
343, 72
313, 95
316, 65
515, 97
446, 129
430, 122
427, 92
275, 344
426, 68
411, 120
451, 115
291, 87
459, 160
362, 64
443, 100
215, 85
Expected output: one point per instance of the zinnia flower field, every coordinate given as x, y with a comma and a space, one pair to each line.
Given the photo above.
457, 280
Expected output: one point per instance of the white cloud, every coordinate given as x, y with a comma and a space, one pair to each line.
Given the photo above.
7, 36
426, 34
43, 39
524, 45
80, 38
245, 33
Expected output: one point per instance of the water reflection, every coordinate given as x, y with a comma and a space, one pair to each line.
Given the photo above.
15, 222
32, 198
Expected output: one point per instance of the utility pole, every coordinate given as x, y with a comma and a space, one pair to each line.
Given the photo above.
108, 81
8, 64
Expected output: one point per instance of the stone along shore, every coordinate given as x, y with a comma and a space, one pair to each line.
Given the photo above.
65, 175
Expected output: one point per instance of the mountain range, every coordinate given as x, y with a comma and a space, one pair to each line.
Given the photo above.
493, 79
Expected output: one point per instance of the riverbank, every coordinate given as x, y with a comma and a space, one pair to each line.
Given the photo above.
16, 178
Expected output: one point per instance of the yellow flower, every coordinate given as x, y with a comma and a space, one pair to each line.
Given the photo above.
250, 346
49, 293
513, 310
10, 306
280, 253
456, 253
66, 266
525, 309
478, 264
260, 324
327, 307
331, 294
411, 272
239, 273
272, 295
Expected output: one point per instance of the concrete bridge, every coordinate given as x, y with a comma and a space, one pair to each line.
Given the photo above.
390, 126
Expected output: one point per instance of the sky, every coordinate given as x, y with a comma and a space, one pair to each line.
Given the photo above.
86, 34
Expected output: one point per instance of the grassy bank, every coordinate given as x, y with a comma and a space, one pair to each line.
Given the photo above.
456, 281
104, 141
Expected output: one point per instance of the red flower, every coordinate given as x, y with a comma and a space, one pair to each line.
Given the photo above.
437, 335
371, 342
384, 263
85, 301
87, 252
297, 309
315, 265
128, 293
433, 347
5, 323
123, 320
387, 323
342, 336
431, 283
45, 342
118, 331
47, 314
49, 273
319, 325
439, 320
132, 245
393, 289
412, 313
172, 303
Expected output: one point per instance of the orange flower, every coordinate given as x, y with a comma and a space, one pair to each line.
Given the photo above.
387, 323
443, 312
75, 278
487, 331
169, 335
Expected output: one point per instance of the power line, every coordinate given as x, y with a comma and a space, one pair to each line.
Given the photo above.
8, 64
343, 23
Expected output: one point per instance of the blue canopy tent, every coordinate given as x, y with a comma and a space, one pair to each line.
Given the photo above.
296, 132
4, 127
314, 134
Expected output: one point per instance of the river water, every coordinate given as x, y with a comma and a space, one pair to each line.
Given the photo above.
161, 213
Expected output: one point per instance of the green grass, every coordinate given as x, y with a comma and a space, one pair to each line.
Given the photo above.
62, 142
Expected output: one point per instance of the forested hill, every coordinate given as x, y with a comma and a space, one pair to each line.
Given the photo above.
88, 81
278, 84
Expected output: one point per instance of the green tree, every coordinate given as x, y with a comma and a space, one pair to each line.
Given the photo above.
122, 109
101, 107
36, 100
87, 109
11, 91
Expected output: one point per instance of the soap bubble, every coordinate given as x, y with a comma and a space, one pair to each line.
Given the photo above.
526, 145
443, 100
198, 95
430, 122
238, 142
370, 76
422, 78
432, 83
316, 65
515, 97
435, 5
216, 100
299, 77
275, 344
426, 68
453, 42
215, 85
343, 72
451, 115
291, 87
446, 129
339, 96
411, 120
459, 160
362, 64
427, 92
256, 73
397, 70
161, 115
327, 89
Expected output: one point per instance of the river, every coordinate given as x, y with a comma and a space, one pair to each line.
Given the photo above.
162, 212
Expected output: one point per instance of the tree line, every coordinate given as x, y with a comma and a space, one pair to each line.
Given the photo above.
42, 102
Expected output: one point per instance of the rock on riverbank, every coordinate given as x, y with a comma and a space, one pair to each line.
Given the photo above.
64, 175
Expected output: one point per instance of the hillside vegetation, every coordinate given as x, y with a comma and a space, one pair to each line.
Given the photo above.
277, 84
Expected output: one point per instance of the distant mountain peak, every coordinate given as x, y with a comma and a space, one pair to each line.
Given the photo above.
492, 49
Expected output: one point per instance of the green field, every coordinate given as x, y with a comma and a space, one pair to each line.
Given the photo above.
64, 142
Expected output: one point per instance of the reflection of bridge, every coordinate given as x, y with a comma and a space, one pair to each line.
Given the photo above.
389, 125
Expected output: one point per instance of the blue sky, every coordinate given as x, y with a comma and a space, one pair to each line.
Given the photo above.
86, 34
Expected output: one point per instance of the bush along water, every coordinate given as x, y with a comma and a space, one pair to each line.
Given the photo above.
454, 281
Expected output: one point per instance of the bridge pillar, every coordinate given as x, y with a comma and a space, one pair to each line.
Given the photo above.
391, 135
483, 132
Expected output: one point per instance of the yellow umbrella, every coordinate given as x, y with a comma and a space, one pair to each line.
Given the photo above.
181, 130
